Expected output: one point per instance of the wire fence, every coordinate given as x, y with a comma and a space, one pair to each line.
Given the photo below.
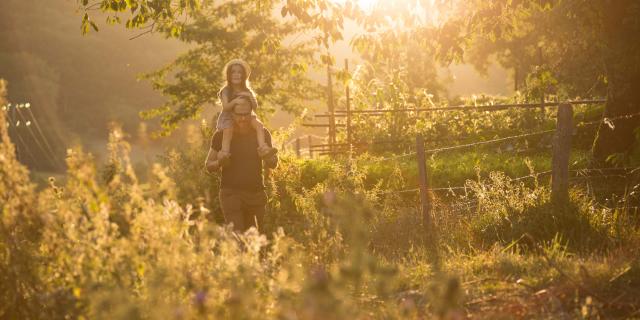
20, 119
582, 171
498, 140
579, 175
464, 146
606, 120
566, 127
489, 107
529, 176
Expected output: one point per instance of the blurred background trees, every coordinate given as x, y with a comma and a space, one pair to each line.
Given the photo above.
77, 85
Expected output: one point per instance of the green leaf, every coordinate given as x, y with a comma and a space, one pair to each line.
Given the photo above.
175, 31
84, 26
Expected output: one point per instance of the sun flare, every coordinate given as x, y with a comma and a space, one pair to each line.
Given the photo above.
363, 4
424, 12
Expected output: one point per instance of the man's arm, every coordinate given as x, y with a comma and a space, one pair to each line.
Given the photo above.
212, 164
270, 162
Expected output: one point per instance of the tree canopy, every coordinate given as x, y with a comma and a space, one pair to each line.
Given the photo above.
557, 48
566, 48
218, 32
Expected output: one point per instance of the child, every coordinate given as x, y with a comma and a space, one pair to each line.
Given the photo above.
237, 73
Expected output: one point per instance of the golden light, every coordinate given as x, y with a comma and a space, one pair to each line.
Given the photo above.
363, 4
426, 12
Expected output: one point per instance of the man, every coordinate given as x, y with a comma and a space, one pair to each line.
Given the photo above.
242, 196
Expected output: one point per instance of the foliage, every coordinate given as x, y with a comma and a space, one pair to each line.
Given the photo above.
509, 211
218, 32
558, 49
561, 40
403, 39
77, 86
20, 229
336, 246
141, 14
396, 131
388, 88
184, 166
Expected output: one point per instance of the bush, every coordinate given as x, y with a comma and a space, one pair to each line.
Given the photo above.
509, 211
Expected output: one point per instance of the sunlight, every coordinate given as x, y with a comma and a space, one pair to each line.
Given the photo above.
426, 12
363, 4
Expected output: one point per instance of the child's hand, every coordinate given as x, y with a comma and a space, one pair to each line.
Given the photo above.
234, 101
245, 94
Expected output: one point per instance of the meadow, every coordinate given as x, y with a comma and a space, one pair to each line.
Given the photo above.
123, 241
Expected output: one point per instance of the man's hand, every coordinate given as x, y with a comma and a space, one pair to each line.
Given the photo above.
212, 166
213, 162
271, 162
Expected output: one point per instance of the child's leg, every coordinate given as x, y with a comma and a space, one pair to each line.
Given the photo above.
227, 135
263, 148
262, 143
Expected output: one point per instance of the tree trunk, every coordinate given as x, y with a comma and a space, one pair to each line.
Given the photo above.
617, 135
622, 61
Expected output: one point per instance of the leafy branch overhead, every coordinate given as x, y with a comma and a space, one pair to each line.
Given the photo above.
218, 33
566, 49
167, 14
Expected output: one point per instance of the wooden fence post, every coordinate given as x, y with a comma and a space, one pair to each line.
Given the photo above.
309, 146
427, 219
422, 181
561, 153
348, 107
332, 118
298, 147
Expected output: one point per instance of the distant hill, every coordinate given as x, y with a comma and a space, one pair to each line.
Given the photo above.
76, 84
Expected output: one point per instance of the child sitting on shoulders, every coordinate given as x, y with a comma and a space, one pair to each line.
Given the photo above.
237, 74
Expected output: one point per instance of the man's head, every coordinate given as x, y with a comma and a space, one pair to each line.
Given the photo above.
242, 113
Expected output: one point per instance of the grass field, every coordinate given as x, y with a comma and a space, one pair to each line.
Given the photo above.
338, 243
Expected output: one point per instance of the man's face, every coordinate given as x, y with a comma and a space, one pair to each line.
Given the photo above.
237, 73
242, 114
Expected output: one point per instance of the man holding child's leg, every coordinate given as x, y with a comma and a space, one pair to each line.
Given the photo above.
242, 195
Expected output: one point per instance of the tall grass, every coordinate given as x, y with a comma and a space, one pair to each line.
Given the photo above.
336, 245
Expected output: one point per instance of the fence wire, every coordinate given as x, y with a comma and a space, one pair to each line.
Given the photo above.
581, 174
498, 140
533, 175
489, 107
394, 157
607, 120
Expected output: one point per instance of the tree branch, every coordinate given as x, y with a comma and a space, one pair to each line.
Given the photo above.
151, 29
